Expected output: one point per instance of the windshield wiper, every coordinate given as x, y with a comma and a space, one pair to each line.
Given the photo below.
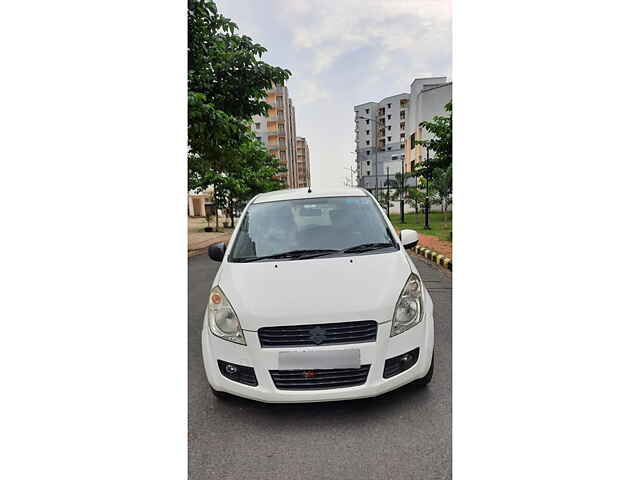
366, 247
295, 254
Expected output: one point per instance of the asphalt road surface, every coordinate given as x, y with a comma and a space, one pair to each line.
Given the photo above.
404, 434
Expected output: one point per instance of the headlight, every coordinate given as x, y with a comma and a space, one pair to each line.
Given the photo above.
223, 321
408, 311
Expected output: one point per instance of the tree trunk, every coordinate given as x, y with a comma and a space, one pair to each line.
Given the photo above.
216, 207
444, 211
232, 224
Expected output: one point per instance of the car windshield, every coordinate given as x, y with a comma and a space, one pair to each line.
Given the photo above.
296, 229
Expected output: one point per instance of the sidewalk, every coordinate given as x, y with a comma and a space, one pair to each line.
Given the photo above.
199, 240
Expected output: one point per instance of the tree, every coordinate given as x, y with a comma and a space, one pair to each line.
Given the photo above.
440, 145
439, 150
416, 198
227, 83
254, 171
226, 66
442, 181
399, 183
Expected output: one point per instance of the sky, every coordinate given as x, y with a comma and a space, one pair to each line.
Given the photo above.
342, 53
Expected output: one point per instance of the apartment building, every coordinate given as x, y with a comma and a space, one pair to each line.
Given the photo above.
302, 162
380, 139
385, 129
427, 99
277, 131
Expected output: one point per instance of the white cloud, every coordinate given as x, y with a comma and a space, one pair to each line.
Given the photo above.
325, 30
308, 92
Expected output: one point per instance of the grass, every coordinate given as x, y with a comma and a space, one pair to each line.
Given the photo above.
416, 222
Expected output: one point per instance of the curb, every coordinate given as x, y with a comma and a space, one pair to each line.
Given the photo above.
435, 257
197, 251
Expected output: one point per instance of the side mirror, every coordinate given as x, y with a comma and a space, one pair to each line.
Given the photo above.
409, 238
216, 251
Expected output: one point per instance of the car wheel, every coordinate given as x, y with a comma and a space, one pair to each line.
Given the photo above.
424, 381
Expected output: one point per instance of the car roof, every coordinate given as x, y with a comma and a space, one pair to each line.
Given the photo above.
303, 193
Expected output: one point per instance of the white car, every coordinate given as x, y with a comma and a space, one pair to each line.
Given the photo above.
316, 300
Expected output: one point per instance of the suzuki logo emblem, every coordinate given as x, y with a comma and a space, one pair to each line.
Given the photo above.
317, 335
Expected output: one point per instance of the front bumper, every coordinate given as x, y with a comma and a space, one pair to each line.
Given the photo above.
264, 359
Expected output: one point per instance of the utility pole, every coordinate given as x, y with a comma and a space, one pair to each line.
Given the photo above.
402, 195
426, 200
388, 194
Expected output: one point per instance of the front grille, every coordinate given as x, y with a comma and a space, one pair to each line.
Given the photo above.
318, 334
319, 379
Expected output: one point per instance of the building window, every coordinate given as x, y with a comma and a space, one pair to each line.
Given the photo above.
413, 141
368, 163
366, 111
257, 126
368, 142
389, 128
388, 105
388, 149
368, 132
368, 172
402, 114
394, 157
388, 117
368, 152
401, 125
388, 139
413, 165
259, 139
367, 122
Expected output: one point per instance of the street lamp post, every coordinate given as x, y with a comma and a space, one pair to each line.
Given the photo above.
388, 195
402, 195
426, 200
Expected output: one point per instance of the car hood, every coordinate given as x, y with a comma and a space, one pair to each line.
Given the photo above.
320, 290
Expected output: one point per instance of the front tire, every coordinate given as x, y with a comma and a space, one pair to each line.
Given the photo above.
424, 381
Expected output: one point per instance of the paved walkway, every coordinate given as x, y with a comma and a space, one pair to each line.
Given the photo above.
199, 240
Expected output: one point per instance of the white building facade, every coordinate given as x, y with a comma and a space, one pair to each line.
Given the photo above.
303, 162
277, 131
384, 130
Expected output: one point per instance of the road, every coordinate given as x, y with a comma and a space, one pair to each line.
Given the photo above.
405, 434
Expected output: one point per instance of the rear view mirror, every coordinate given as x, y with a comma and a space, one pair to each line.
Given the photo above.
216, 251
310, 212
409, 238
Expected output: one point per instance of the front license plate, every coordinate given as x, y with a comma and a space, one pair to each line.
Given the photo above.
313, 360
